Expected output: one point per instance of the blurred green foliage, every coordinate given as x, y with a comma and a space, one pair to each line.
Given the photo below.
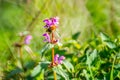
89, 53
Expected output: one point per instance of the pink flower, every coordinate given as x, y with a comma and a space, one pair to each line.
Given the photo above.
58, 59
61, 58
48, 23
51, 21
55, 20
27, 39
47, 37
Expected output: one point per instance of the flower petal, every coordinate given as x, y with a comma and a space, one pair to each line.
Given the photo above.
47, 37
56, 58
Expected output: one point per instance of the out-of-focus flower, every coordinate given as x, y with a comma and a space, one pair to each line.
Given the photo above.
47, 37
51, 22
27, 39
58, 59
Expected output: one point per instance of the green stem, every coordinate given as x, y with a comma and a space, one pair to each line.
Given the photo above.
111, 74
20, 55
91, 74
55, 76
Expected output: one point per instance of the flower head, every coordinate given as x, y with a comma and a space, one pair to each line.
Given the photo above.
48, 23
58, 59
51, 22
55, 20
27, 39
47, 37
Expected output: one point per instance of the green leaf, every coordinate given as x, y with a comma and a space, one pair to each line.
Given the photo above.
39, 68
117, 66
110, 44
76, 35
36, 71
61, 72
68, 66
41, 76
46, 47
91, 57
104, 37
29, 65
86, 74
14, 72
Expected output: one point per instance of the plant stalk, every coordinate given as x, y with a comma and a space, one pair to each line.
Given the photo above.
20, 55
54, 73
52, 50
55, 76
112, 69
53, 56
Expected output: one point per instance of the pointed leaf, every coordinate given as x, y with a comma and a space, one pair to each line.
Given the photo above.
39, 68
61, 72
68, 66
46, 47
91, 57
110, 44
104, 37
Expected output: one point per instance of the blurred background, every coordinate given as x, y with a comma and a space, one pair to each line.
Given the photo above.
77, 17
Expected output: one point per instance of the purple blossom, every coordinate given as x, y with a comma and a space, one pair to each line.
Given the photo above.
27, 39
61, 58
58, 59
47, 37
51, 21
48, 23
55, 20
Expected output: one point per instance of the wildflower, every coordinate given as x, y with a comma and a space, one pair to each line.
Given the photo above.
48, 23
47, 37
55, 21
52, 22
27, 39
58, 59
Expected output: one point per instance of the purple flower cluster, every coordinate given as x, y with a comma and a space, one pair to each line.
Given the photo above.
58, 59
27, 39
50, 22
